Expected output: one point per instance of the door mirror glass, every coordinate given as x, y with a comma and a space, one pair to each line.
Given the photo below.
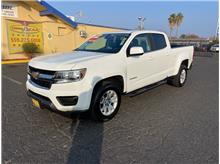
136, 51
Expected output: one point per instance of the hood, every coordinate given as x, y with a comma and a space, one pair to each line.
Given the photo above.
63, 61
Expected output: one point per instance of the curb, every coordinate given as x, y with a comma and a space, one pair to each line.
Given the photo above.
15, 61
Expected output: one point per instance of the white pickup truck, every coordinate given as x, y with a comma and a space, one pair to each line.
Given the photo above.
94, 76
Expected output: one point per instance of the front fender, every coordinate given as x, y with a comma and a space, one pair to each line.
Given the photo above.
106, 76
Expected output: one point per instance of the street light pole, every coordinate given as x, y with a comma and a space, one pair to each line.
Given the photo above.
141, 23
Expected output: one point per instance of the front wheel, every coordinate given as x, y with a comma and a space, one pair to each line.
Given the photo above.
105, 102
180, 79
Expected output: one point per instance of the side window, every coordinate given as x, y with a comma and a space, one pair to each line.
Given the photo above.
142, 40
159, 41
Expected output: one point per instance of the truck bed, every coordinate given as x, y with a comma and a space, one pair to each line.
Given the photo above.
178, 46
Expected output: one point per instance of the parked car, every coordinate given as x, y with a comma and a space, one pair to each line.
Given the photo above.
215, 48
94, 76
201, 48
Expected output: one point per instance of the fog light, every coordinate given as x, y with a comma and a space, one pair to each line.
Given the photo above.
67, 100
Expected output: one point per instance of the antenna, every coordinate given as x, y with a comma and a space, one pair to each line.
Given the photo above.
79, 15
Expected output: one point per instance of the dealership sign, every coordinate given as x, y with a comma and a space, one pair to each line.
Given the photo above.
9, 9
20, 32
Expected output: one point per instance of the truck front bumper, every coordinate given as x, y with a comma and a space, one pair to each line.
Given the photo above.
43, 101
62, 97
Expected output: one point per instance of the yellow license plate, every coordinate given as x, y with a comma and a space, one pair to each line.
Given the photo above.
36, 103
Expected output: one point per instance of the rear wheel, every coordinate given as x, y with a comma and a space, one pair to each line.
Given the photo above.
180, 79
105, 102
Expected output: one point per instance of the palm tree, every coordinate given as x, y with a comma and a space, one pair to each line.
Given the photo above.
179, 20
172, 23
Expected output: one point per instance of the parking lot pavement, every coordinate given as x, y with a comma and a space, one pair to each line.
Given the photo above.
163, 125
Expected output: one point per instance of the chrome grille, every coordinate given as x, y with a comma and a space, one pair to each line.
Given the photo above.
43, 78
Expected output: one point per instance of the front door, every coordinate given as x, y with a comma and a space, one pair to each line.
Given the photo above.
147, 68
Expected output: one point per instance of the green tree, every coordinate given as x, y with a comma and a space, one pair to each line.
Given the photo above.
183, 36
179, 20
175, 20
30, 49
172, 23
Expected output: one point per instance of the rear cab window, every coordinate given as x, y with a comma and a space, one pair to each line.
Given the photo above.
159, 41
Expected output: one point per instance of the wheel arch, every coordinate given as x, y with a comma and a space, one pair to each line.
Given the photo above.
118, 79
180, 62
99, 82
186, 63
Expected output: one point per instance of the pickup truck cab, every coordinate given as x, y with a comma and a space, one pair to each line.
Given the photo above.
94, 76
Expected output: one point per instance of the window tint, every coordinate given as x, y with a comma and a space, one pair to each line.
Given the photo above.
142, 40
159, 41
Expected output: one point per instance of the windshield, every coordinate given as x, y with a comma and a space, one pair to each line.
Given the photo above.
106, 43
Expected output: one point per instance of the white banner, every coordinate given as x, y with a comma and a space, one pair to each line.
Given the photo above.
9, 9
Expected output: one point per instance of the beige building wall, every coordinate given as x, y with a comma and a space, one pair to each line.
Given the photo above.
57, 35
25, 13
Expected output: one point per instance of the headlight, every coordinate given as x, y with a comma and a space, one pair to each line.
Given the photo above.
69, 76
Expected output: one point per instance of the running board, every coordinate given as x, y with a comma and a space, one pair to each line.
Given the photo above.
146, 88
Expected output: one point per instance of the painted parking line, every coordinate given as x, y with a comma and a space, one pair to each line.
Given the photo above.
12, 80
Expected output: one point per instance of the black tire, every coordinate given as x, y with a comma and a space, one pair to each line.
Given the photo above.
95, 109
175, 80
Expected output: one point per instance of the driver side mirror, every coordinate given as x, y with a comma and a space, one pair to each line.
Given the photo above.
136, 51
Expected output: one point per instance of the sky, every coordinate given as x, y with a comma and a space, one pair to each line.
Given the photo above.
200, 17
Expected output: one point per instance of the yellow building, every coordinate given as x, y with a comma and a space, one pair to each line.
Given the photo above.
38, 22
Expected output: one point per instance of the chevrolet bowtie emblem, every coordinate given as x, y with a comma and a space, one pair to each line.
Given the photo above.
35, 75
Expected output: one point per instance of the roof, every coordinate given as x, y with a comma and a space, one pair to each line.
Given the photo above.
137, 31
54, 12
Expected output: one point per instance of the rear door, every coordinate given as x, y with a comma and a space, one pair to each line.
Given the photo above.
162, 55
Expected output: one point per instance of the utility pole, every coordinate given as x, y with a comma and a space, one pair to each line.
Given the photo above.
217, 30
141, 23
